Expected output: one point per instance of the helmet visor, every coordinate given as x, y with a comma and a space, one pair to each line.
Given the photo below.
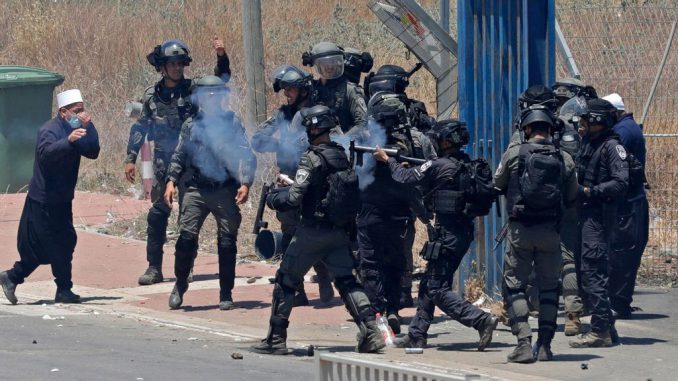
384, 85
330, 67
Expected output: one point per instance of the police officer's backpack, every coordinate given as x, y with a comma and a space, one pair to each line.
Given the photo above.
540, 183
481, 193
342, 200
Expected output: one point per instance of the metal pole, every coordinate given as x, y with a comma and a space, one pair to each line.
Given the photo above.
566, 54
659, 74
254, 61
445, 15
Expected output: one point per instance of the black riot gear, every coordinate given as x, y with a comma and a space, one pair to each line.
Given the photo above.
320, 117
450, 130
291, 76
389, 78
355, 63
169, 51
537, 95
388, 110
600, 111
327, 58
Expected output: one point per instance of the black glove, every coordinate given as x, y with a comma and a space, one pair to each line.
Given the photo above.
277, 199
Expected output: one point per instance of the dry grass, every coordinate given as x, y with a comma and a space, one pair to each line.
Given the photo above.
100, 46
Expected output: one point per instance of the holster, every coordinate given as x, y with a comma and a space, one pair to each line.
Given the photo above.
432, 247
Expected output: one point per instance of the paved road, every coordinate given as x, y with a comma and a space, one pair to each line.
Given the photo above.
85, 346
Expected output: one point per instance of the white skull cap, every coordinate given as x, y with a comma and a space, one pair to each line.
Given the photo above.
68, 97
616, 101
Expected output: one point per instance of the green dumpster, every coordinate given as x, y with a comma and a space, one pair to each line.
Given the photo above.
25, 104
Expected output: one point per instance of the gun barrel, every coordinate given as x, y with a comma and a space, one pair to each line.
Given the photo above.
285, 179
390, 152
258, 221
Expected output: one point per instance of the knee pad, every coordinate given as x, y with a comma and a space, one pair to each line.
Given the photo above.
549, 297
369, 273
227, 244
345, 284
157, 216
187, 243
286, 283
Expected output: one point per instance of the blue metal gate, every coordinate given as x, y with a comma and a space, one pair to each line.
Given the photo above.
505, 46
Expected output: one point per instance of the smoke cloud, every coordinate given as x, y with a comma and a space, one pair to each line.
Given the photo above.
373, 135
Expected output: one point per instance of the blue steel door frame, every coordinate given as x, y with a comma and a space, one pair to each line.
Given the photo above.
505, 46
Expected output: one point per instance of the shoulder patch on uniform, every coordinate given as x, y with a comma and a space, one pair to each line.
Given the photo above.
301, 176
621, 151
426, 166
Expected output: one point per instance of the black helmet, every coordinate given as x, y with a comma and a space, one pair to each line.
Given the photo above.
291, 76
355, 63
451, 130
600, 111
388, 110
389, 78
319, 116
327, 58
169, 51
537, 95
536, 114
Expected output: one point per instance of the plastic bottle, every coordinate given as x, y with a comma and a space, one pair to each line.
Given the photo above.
385, 330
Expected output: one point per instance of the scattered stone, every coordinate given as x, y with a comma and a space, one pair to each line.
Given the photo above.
192, 339
236, 356
35, 341
584, 366
251, 280
54, 370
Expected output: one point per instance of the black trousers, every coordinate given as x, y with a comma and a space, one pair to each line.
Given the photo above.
435, 288
46, 236
626, 251
595, 238
382, 242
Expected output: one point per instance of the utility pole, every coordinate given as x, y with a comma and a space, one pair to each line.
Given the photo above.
253, 42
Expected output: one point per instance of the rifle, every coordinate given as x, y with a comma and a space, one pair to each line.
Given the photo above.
501, 235
259, 222
357, 157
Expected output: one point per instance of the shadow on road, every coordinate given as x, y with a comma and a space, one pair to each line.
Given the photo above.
626, 340
575, 357
86, 299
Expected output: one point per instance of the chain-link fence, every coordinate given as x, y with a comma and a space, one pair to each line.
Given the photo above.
619, 49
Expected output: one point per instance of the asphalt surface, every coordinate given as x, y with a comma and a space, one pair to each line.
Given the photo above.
85, 346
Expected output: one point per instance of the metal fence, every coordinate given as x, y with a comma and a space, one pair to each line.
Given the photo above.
619, 49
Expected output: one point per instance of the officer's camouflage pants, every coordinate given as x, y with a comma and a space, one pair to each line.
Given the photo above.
197, 205
159, 213
535, 246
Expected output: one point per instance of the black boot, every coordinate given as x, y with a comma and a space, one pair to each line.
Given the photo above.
409, 342
276, 341
300, 299
176, 298
8, 287
152, 275
370, 339
486, 330
522, 353
226, 302
541, 350
66, 296
394, 322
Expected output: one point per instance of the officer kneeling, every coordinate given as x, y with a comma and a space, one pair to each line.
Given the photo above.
325, 190
537, 179
455, 186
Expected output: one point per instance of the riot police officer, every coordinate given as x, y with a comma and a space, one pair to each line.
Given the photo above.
537, 180
321, 234
385, 220
333, 89
633, 215
603, 178
213, 149
291, 142
447, 181
166, 106
570, 142
394, 79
